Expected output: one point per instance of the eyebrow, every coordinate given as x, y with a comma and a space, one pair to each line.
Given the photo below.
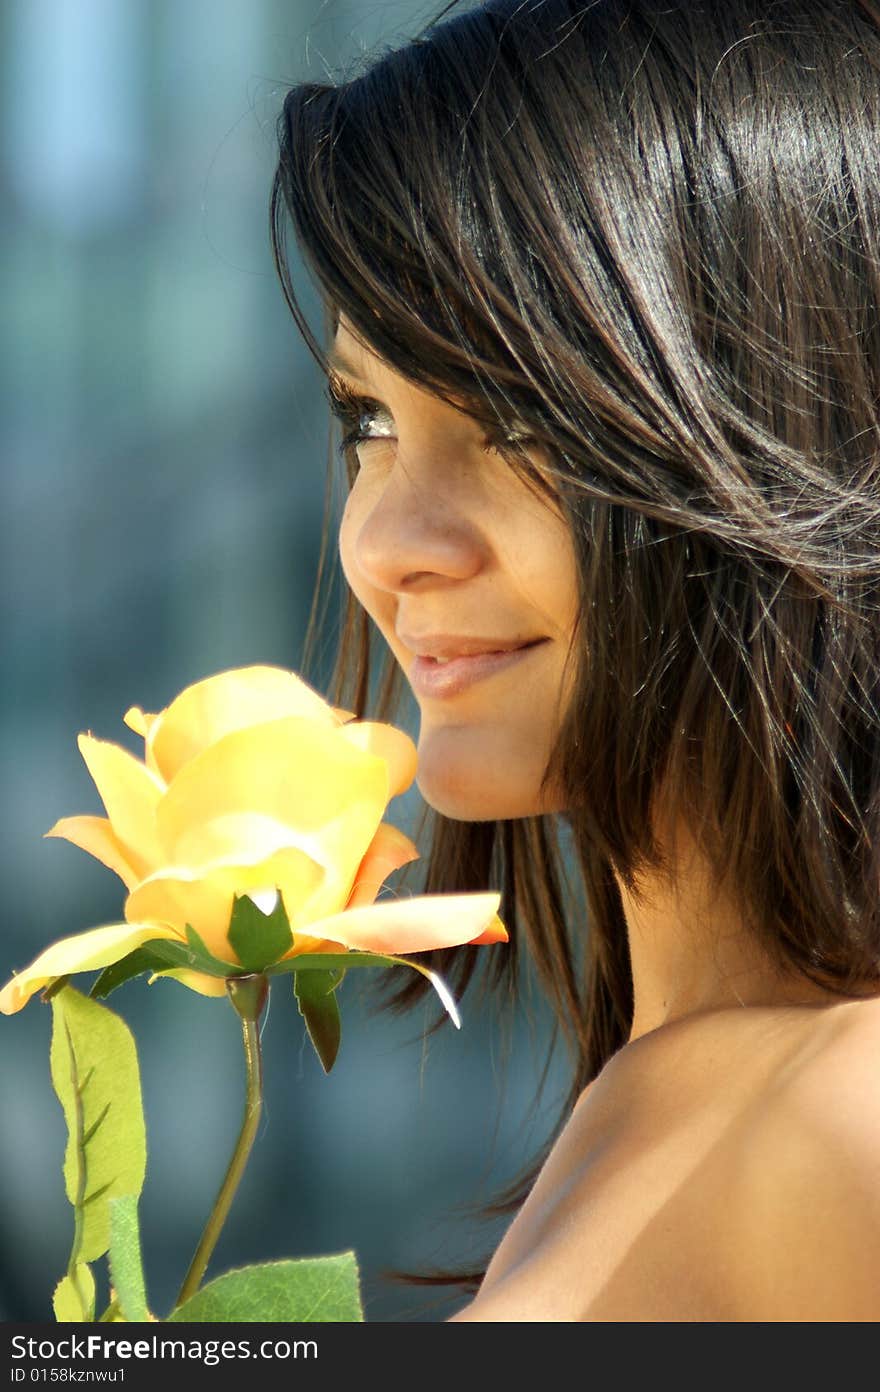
338, 363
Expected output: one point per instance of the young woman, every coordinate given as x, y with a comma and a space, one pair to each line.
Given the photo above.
602, 286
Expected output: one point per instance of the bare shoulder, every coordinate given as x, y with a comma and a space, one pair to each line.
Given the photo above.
806, 1187
727, 1169
828, 1091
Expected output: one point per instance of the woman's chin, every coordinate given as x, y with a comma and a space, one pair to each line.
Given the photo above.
461, 807
464, 797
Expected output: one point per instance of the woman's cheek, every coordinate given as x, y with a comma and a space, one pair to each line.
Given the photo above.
354, 514
346, 541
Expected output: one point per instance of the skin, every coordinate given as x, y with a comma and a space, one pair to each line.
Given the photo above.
667, 1196
439, 536
722, 1168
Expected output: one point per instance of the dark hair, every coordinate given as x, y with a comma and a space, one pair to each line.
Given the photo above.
652, 232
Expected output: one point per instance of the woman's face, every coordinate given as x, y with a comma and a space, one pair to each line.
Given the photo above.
450, 553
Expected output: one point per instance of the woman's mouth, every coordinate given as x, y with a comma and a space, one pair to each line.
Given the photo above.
437, 678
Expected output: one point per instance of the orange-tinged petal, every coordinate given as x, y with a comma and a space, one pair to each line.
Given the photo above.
418, 924
305, 942
174, 900
196, 981
211, 709
496, 932
388, 850
99, 947
292, 772
204, 899
131, 795
96, 835
388, 743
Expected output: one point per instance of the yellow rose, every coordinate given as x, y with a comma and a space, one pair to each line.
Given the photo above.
252, 784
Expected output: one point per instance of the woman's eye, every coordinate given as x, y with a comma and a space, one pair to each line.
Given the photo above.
362, 419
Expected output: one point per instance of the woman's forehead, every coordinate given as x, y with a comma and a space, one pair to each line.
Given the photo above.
350, 354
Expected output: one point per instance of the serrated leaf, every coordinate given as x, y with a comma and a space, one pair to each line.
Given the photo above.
142, 959
315, 992
259, 939
312, 1290
95, 1075
74, 1297
126, 1266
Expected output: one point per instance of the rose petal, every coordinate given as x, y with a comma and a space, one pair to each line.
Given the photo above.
292, 773
177, 900
304, 942
211, 709
238, 838
96, 835
196, 981
419, 924
99, 947
138, 720
390, 744
388, 850
131, 795
203, 898
496, 932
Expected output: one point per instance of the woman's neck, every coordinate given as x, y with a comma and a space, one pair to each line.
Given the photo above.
691, 951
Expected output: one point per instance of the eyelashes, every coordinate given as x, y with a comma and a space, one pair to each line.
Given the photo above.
357, 414
353, 411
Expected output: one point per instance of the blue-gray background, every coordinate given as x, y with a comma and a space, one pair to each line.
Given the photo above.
164, 440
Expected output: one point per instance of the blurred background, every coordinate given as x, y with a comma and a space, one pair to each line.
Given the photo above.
164, 444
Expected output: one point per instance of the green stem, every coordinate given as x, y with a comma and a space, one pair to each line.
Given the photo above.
252, 1108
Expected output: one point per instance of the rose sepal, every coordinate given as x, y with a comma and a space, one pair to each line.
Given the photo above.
324, 961
315, 992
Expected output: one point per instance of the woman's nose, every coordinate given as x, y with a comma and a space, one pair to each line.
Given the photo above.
413, 530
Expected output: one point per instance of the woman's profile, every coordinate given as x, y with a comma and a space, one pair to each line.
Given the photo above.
602, 292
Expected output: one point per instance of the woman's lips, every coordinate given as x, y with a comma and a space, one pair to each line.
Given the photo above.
439, 679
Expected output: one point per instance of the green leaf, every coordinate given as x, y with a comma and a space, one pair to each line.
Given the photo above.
325, 961
95, 1075
74, 1298
259, 939
315, 991
126, 1266
301, 1292
143, 959
192, 954
171, 953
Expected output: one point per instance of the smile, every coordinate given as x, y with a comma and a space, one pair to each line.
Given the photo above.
429, 677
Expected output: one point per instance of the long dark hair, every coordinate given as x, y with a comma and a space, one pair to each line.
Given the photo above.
651, 232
